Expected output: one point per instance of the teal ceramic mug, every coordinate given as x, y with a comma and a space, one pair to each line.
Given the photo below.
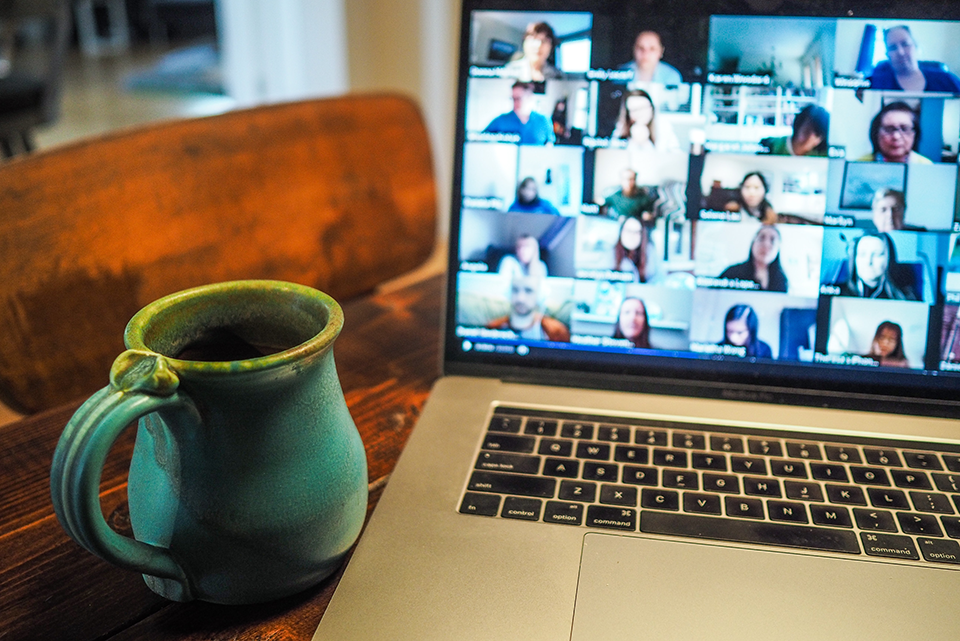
248, 480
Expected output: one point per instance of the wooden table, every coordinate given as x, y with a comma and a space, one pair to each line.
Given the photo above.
52, 589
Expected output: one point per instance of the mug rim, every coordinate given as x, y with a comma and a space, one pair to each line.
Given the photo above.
138, 326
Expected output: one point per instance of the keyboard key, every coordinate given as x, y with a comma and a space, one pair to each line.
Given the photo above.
787, 511
763, 447
600, 471
745, 531
573, 429
555, 447
659, 499
503, 462
504, 423
628, 454
540, 427
563, 467
952, 462
830, 515
508, 443
637, 475
701, 503
922, 460
689, 441
669, 458
888, 458
618, 495
732, 444
578, 491
566, 513
721, 483
846, 494
593, 451
524, 509
947, 482
748, 465
911, 479
889, 545
939, 550
806, 451
614, 433
893, 499
681, 479
512, 484
761, 487
912, 523
874, 520
481, 504
951, 525
617, 518
829, 472
842, 454
716, 462
790, 469
931, 502
869, 475
740, 507
651, 437
800, 491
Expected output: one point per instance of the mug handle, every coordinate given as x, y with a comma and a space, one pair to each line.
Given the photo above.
141, 382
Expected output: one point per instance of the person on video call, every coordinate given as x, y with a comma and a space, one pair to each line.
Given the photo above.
638, 125
534, 128
809, 136
630, 253
751, 200
648, 65
525, 261
763, 264
902, 68
631, 200
874, 270
889, 211
528, 199
632, 323
895, 134
525, 317
534, 65
887, 346
740, 329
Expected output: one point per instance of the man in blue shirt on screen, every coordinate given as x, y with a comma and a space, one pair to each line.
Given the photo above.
534, 128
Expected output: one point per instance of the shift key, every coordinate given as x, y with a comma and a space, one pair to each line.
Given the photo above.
516, 484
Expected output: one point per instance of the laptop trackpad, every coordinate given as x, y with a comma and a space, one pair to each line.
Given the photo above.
635, 588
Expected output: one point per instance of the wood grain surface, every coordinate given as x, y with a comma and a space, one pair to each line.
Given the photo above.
50, 588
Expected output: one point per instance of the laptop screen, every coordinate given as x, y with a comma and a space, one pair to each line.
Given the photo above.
663, 191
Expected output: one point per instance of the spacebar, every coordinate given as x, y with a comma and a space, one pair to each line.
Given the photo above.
743, 531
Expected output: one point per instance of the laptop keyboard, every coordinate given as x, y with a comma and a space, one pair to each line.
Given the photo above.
850, 495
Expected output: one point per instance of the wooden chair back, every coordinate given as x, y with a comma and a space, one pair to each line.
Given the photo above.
334, 193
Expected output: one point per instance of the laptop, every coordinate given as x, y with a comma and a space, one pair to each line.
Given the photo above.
701, 343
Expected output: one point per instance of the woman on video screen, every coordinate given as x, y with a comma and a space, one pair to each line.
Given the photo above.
752, 200
763, 264
887, 346
740, 329
895, 134
875, 272
632, 323
639, 126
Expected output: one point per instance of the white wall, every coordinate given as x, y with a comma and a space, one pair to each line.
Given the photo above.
276, 50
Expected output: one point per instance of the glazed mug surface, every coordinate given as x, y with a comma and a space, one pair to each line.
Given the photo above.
248, 480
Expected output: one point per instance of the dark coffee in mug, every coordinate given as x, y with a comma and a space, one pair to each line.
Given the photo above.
223, 344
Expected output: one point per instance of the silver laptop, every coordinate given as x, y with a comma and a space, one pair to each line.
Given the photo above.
701, 347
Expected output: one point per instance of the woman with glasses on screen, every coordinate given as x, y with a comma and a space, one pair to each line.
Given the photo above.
895, 134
